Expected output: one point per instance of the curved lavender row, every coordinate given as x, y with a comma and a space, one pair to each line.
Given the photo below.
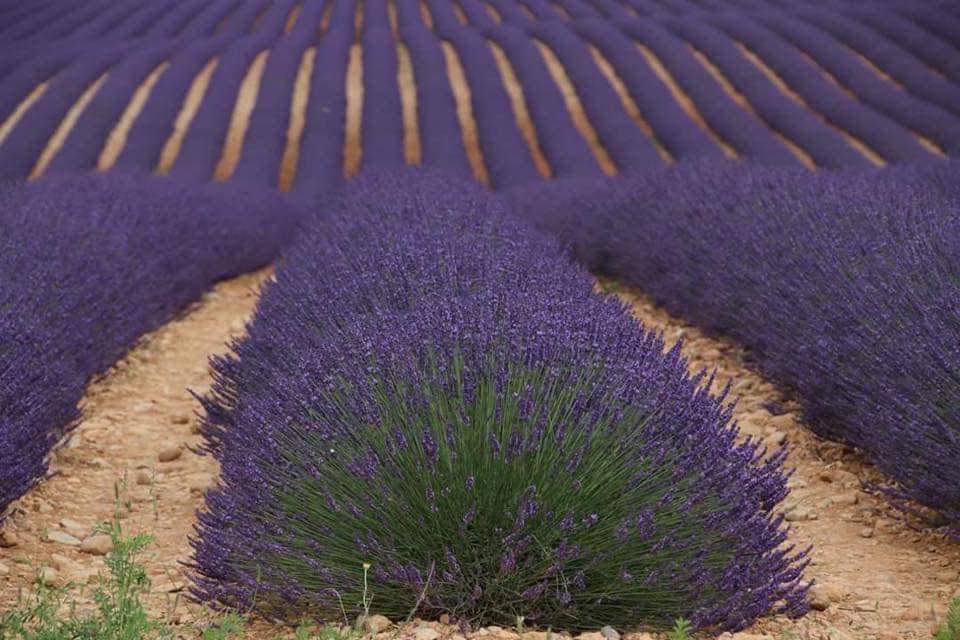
203, 145
562, 144
161, 16
207, 23
16, 18
266, 135
241, 21
896, 60
541, 10
105, 19
648, 8
382, 120
71, 18
21, 150
682, 6
933, 122
580, 9
441, 140
409, 276
932, 49
88, 263
174, 23
937, 22
274, 19
19, 56
505, 154
611, 9
888, 138
477, 15
51, 15
155, 123
30, 67
130, 26
670, 124
510, 12
749, 138
443, 15
822, 143
86, 140
320, 168
932, 118
842, 285
628, 146
307, 25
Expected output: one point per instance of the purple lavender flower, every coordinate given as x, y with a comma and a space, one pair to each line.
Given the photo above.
88, 264
415, 307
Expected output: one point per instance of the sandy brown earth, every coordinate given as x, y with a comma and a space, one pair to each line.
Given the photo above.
140, 411
878, 577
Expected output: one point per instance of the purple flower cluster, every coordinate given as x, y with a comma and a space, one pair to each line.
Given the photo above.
431, 387
843, 285
88, 263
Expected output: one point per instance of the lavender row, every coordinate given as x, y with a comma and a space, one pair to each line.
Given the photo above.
320, 169
928, 116
23, 147
382, 117
266, 135
154, 124
627, 145
105, 20
887, 138
670, 124
830, 126
89, 263
563, 146
505, 154
748, 137
204, 143
934, 50
441, 138
843, 285
810, 132
926, 112
428, 387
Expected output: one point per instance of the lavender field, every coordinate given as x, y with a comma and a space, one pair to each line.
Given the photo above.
572, 316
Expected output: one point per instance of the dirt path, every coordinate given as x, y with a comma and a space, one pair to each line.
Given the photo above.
878, 578
140, 409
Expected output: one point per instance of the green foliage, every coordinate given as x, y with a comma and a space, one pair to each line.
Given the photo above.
950, 629
681, 629
118, 614
456, 496
227, 627
307, 631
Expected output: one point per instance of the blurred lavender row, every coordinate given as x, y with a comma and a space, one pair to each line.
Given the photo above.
844, 286
90, 263
642, 83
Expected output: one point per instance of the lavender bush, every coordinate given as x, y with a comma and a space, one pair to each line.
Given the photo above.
842, 284
88, 263
430, 387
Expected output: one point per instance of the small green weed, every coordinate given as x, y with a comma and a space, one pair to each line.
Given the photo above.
118, 614
681, 629
950, 629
